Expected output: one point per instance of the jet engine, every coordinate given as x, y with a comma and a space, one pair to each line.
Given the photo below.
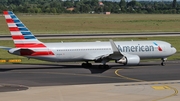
129, 60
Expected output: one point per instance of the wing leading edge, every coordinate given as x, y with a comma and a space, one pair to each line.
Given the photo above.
116, 54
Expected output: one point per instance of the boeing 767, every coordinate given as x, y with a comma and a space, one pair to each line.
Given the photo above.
125, 52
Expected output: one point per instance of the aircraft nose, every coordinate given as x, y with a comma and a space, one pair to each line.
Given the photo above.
174, 50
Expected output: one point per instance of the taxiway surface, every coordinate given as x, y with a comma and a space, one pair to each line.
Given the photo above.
68, 81
73, 74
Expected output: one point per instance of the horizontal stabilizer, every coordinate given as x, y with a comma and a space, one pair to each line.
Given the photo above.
5, 48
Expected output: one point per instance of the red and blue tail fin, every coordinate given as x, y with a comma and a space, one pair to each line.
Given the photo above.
21, 35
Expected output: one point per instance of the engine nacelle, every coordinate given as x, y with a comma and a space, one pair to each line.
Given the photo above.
129, 60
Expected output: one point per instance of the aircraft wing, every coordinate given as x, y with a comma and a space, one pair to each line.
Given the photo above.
116, 54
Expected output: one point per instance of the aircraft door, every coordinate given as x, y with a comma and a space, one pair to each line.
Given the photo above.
164, 48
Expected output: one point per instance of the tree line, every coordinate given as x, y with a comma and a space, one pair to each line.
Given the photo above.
90, 6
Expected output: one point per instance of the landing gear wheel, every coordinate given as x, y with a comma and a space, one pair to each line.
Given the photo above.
163, 60
89, 65
162, 63
86, 65
100, 66
83, 64
106, 66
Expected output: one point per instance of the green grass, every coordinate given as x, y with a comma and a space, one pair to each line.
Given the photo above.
173, 40
97, 23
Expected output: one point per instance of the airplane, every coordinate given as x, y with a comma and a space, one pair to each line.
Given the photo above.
124, 52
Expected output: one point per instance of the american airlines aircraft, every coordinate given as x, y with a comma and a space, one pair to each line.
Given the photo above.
125, 52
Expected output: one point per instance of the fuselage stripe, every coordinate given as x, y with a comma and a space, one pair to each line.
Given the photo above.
35, 53
30, 45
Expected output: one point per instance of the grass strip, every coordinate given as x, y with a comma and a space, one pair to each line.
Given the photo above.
96, 23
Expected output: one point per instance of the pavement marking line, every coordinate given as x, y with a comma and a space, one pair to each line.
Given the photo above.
174, 94
160, 87
148, 84
155, 87
133, 79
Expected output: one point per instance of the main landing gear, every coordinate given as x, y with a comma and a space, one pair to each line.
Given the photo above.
104, 66
86, 65
163, 60
89, 65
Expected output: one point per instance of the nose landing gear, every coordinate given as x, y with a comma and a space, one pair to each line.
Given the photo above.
163, 60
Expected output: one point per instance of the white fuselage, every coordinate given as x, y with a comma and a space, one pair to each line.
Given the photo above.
82, 51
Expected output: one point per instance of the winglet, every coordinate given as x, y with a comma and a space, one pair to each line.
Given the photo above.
116, 53
114, 48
